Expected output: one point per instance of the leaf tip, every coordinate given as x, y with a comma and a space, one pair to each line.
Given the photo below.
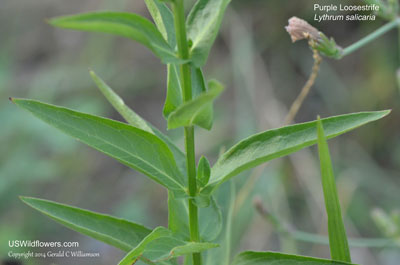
19, 101
16, 101
218, 86
25, 199
203, 171
386, 112
170, 123
383, 113
47, 21
92, 73
51, 21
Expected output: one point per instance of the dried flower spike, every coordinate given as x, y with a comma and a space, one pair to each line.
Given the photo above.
299, 29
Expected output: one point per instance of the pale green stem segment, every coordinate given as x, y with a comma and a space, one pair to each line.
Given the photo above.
374, 35
183, 50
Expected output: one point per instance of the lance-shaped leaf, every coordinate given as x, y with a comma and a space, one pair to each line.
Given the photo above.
226, 197
174, 90
161, 245
131, 146
199, 87
113, 231
273, 258
195, 112
271, 144
135, 120
203, 171
337, 234
119, 105
203, 24
122, 24
164, 20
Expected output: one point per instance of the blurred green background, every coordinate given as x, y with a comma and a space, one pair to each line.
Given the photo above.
263, 72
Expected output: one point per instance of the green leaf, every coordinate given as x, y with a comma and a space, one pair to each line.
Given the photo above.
135, 120
178, 214
161, 245
210, 219
226, 197
113, 231
271, 144
192, 112
122, 24
119, 105
192, 247
174, 90
164, 20
198, 82
337, 234
199, 87
131, 146
203, 24
202, 200
136, 252
272, 258
203, 171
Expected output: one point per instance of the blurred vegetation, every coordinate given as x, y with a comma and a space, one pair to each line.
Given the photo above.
263, 72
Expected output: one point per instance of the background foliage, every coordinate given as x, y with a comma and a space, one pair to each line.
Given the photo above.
263, 73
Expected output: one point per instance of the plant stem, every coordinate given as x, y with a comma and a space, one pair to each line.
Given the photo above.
398, 56
185, 69
193, 218
374, 35
305, 90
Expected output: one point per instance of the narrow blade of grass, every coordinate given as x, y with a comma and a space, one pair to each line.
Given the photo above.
337, 234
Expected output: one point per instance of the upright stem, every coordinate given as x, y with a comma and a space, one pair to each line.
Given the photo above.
374, 35
185, 69
398, 58
398, 44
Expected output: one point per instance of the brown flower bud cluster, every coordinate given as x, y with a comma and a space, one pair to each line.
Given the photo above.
299, 29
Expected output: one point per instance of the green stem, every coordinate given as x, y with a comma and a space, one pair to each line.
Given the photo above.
398, 58
185, 69
398, 43
374, 35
